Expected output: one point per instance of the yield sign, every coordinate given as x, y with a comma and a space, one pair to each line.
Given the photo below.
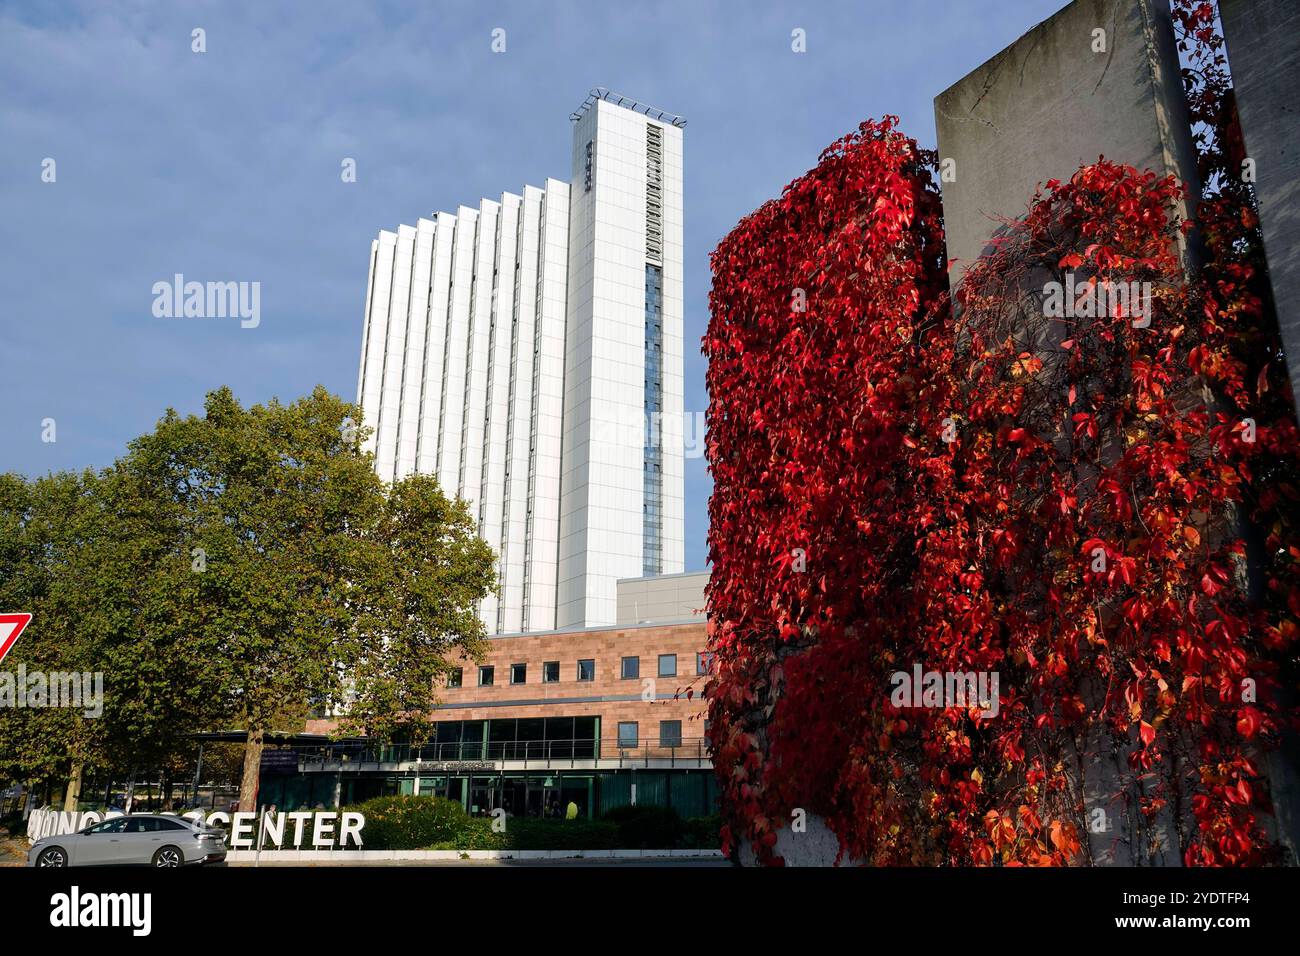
13, 624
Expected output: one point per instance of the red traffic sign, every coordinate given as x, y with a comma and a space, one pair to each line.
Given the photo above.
14, 624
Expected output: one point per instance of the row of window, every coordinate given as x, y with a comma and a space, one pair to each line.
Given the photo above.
630, 669
670, 733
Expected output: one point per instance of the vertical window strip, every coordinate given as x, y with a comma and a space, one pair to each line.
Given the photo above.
652, 485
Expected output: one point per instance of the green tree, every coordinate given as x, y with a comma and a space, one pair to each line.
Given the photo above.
291, 574
229, 571
45, 526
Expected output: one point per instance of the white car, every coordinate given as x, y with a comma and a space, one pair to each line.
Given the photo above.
139, 839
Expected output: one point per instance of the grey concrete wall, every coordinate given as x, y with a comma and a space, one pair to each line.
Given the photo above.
815, 845
1048, 104
1264, 56
666, 597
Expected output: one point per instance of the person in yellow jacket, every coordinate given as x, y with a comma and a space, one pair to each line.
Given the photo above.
571, 812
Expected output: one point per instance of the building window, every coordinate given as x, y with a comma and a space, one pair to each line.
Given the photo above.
456, 677
627, 733
654, 193
631, 668
486, 675
587, 670
652, 483
518, 673
550, 672
667, 665
670, 733
703, 662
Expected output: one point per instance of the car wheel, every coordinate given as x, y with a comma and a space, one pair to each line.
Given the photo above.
168, 856
52, 856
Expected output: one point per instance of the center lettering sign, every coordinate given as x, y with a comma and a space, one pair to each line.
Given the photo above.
325, 829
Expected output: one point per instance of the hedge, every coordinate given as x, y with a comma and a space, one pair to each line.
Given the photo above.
434, 823
412, 823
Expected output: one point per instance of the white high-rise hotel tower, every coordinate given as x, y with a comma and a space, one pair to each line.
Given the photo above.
528, 353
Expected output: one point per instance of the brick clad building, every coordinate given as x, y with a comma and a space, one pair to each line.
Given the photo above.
598, 717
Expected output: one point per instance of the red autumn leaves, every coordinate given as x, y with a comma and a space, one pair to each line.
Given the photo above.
948, 479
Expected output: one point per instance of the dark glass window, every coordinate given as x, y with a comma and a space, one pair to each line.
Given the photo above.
486, 676
115, 825
667, 665
627, 733
631, 668
550, 672
587, 670
456, 677
670, 733
530, 728
702, 662
584, 735
518, 673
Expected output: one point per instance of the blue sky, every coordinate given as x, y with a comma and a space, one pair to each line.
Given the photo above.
225, 165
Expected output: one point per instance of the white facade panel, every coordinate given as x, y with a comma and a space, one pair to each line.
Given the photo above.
480, 331
541, 532
377, 337
456, 352
492, 503
435, 345
408, 429
395, 354
513, 549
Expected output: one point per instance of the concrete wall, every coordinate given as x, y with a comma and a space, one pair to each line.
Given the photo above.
667, 597
1062, 96
813, 845
1048, 104
1264, 56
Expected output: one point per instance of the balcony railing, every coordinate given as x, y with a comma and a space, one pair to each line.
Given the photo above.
550, 752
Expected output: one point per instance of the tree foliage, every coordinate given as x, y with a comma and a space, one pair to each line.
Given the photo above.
239, 564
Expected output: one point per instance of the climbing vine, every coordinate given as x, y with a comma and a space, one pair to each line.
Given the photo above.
1078, 477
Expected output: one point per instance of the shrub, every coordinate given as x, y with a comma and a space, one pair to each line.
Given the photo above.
12, 822
702, 833
413, 823
529, 834
646, 827
477, 834
433, 823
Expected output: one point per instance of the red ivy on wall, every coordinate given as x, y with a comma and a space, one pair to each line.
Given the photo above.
1006, 487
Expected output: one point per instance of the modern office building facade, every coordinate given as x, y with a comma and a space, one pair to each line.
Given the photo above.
528, 353
601, 717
